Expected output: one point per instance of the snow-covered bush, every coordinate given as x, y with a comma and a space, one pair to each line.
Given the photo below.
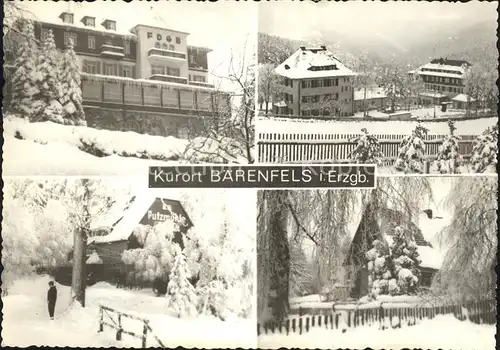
181, 295
367, 150
379, 273
411, 152
210, 150
448, 157
406, 261
156, 257
485, 150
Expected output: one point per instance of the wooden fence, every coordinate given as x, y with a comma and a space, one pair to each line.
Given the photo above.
117, 325
336, 148
478, 311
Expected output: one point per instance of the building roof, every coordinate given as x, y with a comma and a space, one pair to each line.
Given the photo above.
124, 218
463, 98
300, 63
432, 94
370, 94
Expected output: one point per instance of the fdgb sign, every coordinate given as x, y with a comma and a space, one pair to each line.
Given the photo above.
167, 209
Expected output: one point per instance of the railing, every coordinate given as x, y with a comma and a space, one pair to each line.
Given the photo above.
166, 53
479, 312
112, 50
168, 78
118, 326
200, 83
329, 148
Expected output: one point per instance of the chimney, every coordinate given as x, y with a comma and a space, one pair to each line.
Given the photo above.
303, 48
323, 47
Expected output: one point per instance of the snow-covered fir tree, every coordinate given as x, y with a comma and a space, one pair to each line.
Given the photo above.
49, 82
485, 150
411, 152
367, 150
448, 157
71, 99
24, 80
180, 292
380, 276
406, 261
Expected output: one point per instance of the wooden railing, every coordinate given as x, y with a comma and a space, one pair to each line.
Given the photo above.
118, 326
478, 311
331, 148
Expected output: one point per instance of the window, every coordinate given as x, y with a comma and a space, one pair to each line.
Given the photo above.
90, 22
126, 47
157, 70
177, 40
70, 36
183, 133
199, 78
45, 34
68, 18
90, 67
111, 25
109, 69
176, 72
92, 42
126, 72
192, 60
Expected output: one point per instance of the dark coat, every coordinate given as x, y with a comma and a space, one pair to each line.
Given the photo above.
52, 294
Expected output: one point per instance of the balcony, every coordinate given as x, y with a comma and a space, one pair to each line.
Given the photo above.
162, 56
168, 78
112, 51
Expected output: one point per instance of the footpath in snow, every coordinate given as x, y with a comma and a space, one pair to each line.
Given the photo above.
26, 320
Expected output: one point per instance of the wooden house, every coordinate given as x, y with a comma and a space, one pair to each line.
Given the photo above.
380, 224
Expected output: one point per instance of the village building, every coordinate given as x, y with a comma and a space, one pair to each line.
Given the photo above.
314, 83
463, 101
380, 225
374, 99
146, 79
114, 234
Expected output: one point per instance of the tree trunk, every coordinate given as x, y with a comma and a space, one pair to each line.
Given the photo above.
78, 280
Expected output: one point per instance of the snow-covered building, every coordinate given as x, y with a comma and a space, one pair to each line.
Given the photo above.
314, 83
464, 101
114, 233
443, 76
380, 225
373, 98
146, 79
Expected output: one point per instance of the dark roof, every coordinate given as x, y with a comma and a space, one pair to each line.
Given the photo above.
450, 62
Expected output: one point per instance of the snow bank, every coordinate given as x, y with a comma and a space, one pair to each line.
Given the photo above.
442, 332
99, 142
28, 158
464, 127
314, 298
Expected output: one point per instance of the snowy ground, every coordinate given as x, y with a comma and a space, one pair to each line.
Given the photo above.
26, 322
48, 148
445, 332
464, 169
464, 127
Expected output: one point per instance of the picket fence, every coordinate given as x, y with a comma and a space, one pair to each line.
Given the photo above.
477, 311
107, 318
336, 148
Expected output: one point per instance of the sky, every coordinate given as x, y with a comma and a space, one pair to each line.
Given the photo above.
302, 20
228, 28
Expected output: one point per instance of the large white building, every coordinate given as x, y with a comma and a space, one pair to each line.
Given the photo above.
314, 83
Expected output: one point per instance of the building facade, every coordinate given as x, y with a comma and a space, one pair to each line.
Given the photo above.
371, 99
145, 79
314, 83
443, 79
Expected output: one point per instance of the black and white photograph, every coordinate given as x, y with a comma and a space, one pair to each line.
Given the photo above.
106, 88
410, 264
108, 263
410, 86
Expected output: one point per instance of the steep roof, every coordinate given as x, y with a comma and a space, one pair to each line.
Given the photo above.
463, 98
312, 63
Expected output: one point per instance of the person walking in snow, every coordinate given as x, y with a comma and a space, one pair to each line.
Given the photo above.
51, 299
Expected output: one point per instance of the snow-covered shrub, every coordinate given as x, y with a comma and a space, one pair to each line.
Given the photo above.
181, 295
448, 157
406, 261
156, 257
411, 152
485, 150
367, 149
209, 150
379, 274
